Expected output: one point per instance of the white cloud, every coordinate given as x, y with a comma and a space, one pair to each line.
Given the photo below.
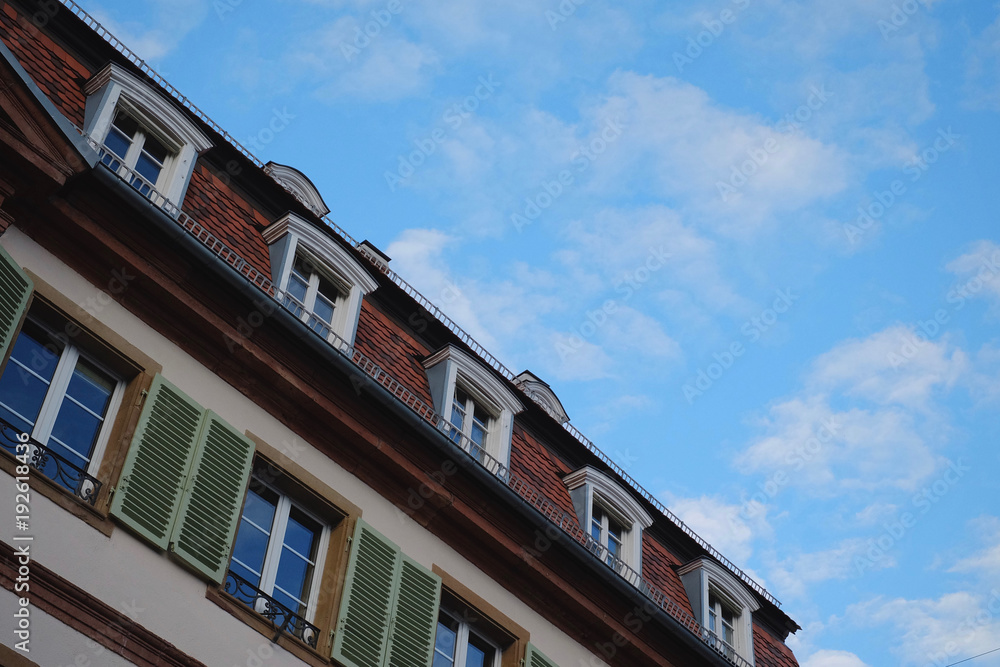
936, 631
173, 19
982, 77
978, 272
892, 366
985, 563
792, 576
721, 524
829, 658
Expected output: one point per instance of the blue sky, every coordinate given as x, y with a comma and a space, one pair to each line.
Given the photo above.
752, 245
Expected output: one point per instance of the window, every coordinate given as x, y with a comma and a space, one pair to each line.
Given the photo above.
65, 400
608, 533
470, 417
318, 279
143, 133
722, 622
723, 606
612, 517
279, 551
474, 402
458, 644
133, 146
312, 296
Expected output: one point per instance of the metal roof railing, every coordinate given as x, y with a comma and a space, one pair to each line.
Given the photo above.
415, 294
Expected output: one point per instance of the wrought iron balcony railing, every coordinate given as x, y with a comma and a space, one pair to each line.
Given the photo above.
283, 619
50, 464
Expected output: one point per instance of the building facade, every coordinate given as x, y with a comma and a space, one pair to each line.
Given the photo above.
232, 435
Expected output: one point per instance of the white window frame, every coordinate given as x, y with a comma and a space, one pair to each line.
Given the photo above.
703, 578
293, 235
462, 640
312, 293
589, 487
115, 88
450, 368
272, 556
56, 394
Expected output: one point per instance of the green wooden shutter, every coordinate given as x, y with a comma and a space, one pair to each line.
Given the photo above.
535, 658
159, 459
415, 613
210, 509
15, 292
363, 624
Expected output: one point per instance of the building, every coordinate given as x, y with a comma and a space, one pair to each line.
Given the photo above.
224, 424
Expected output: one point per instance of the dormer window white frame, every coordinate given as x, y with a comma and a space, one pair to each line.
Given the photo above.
542, 394
153, 126
464, 390
299, 185
612, 517
722, 605
318, 279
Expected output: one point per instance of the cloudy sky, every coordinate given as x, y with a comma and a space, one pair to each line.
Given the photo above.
753, 245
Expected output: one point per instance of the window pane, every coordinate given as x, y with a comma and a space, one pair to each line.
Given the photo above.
125, 123
295, 606
302, 533
478, 434
74, 433
147, 168
26, 379
294, 574
91, 386
157, 151
297, 286
117, 142
323, 309
480, 653
444, 642
252, 540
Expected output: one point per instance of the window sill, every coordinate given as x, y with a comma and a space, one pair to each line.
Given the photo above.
243, 613
42, 485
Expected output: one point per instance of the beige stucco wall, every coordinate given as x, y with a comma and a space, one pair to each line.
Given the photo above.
122, 570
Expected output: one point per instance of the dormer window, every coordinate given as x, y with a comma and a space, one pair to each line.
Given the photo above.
471, 418
135, 148
613, 518
723, 606
478, 407
319, 280
144, 136
311, 295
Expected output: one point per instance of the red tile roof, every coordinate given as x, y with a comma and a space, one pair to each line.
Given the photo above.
769, 651
57, 74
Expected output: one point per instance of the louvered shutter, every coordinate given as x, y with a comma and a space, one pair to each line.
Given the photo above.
363, 623
15, 292
210, 509
415, 612
535, 658
159, 459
